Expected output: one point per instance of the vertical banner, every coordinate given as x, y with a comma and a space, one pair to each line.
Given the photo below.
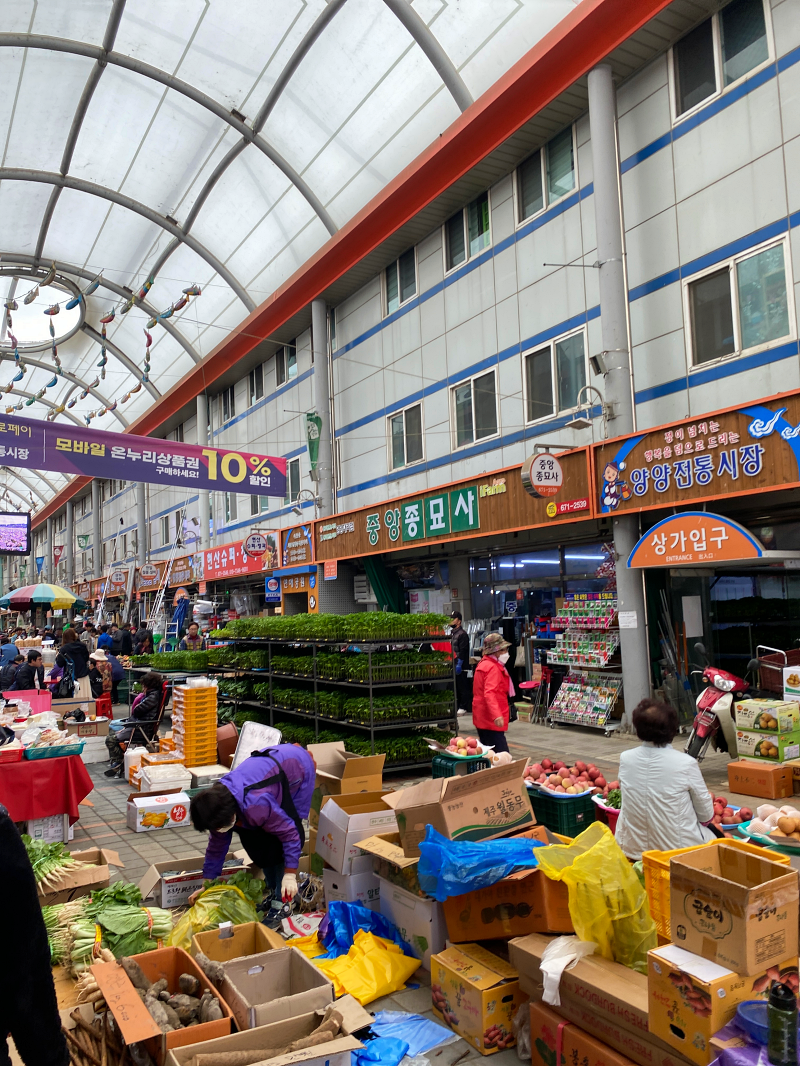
83, 541
58, 551
39, 563
313, 430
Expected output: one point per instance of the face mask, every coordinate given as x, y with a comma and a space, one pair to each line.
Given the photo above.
503, 658
227, 828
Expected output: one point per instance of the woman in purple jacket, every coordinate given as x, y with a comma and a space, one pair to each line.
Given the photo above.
264, 799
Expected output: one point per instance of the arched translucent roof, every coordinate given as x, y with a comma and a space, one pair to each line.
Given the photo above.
206, 142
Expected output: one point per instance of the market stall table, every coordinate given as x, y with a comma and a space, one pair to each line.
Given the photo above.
42, 788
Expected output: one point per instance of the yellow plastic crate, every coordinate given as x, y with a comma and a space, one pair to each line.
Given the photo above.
206, 717
160, 758
656, 875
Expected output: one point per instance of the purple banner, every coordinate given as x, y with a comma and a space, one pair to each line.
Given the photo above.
35, 445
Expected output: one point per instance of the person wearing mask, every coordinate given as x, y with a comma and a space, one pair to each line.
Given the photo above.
265, 800
30, 674
74, 654
28, 1007
8, 672
99, 673
104, 639
460, 639
491, 688
193, 641
144, 719
143, 644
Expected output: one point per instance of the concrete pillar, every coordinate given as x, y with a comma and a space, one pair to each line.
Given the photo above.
459, 582
616, 356
142, 539
322, 405
48, 570
69, 541
97, 531
204, 497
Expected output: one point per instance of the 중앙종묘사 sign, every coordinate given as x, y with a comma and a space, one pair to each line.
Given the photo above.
66, 449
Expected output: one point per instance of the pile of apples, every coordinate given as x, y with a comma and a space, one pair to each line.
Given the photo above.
727, 816
464, 746
558, 777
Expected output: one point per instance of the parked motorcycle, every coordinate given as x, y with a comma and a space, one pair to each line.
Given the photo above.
713, 721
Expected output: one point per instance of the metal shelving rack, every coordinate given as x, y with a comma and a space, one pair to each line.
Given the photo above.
370, 686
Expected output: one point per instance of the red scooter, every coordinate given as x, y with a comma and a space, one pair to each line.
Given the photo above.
713, 721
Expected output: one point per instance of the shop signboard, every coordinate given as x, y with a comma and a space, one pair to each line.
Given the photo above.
97, 588
331, 570
181, 572
694, 538
148, 576
746, 449
231, 560
84, 590
272, 590
494, 503
298, 549
117, 580
68, 449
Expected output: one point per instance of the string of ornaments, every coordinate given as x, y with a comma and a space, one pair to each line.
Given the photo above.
123, 307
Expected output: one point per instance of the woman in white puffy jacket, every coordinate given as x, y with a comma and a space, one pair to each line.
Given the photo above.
665, 802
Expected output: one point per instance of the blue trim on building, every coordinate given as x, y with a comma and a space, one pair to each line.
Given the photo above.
289, 571
263, 402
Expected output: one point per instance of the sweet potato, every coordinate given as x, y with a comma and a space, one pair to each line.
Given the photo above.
214, 971
188, 984
186, 1007
159, 986
327, 1030
135, 974
172, 1015
156, 1010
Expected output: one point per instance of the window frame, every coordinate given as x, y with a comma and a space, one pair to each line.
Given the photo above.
230, 507
227, 398
721, 90
164, 525
396, 414
281, 358
453, 423
731, 264
385, 283
253, 395
547, 203
465, 229
557, 411
292, 464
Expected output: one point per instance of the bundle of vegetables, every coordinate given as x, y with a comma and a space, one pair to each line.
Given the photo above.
613, 799
50, 862
235, 689
301, 665
231, 900
56, 934
377, 625
125, 927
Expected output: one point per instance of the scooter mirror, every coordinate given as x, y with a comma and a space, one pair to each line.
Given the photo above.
754, 664
700, 647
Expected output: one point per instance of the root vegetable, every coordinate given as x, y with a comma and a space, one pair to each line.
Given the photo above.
214, 1011
186, 1007
188, 984
159, 986
236, 1058
213, 970
135, 974
173, 1017
156, 1010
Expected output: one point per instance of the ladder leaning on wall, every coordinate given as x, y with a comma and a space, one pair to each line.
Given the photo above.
157, 620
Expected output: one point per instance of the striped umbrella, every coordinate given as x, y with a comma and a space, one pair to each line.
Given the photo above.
42, 594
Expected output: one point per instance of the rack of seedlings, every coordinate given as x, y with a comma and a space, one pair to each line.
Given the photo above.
368, 673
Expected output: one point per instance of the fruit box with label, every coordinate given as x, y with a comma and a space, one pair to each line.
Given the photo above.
760, 779
148, 811
772, 747
768, 716
555, 1042
477, 994
791, 683
691, 998
734, 908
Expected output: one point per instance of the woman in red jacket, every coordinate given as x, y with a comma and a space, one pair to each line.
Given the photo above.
491, 687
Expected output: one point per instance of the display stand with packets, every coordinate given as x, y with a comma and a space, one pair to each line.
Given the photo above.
588, 699
576, 647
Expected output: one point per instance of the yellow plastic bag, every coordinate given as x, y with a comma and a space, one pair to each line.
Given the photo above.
309, 945
607, 901
208, 913
373, 967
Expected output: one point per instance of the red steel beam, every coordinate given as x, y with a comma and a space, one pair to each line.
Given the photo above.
581, 40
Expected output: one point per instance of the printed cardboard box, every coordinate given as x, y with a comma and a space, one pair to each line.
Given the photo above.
346, 820
363, 888
791, 684
53, 829
149, 811
273, 986
419, 920
794, 765
524, 902
341, 773
691, 998
549, 1034
228, 941
768, 716
734, 908
481, 806
390, 863
760, 780
774, 747
85, 880
98, 728
184, 876
477, 994
67, 707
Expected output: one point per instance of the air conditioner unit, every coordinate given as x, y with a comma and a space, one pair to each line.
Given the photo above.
362, 590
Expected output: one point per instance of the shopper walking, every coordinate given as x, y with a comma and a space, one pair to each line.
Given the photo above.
74, 655
460, 639
492, 686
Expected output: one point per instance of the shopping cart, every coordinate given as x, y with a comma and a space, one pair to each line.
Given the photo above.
770, 666
537, 693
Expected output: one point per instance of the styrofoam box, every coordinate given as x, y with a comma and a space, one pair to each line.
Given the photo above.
420, 922
94, 749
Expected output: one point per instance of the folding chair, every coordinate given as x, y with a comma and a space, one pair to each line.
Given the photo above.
141, 729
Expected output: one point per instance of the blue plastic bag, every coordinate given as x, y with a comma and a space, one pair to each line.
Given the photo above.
453, 867
422, 1033
343, 920
383, 1051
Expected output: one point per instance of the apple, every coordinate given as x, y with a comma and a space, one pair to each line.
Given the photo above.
546, 764
560, 788
591, 766
536, 769
561, 766
542, 778
613, 784
746, 813
580, 766
723, 800
572, 790
554, 779
600, 781
594, 773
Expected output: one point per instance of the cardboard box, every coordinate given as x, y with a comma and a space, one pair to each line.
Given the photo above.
390, 863
279, 1034
98, 728
66, 707
791, 683
345, 821
205, 776
419, 920
524, 902
52, 830
691, 998
769, 716
131, 1015
481, 806
273, 986
341, 773
81, 882
760, 780
362, 888
794, 764
734, 908
186, 876
773, 747
477, 994
549, 1035
230, 942
148, 811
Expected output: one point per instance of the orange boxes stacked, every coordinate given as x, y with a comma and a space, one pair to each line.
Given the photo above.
194, 724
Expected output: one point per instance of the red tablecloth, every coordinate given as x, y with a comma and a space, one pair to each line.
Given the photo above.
39, 788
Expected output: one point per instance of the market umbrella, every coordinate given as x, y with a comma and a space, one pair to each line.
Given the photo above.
42, 594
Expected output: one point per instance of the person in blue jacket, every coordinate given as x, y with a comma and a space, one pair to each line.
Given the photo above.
265, 800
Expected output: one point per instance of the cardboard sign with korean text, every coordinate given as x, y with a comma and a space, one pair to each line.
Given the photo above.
745, 449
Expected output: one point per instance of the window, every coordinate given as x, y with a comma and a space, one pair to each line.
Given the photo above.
475, 409
86, 562
554, 376
467, 233
165, 539
405, 437
124, 554
292, 480
256, 383
179, 524
718, 52
551, 170
227, 404
332, 327
177, 433
742, 305
255, 505
230, 507
401, 280
286, 363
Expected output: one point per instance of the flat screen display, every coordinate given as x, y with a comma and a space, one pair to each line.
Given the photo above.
15, 533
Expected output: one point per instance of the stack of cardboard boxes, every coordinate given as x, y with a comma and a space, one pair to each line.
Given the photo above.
768, 743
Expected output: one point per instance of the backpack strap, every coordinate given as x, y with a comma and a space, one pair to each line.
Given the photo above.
287, 803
